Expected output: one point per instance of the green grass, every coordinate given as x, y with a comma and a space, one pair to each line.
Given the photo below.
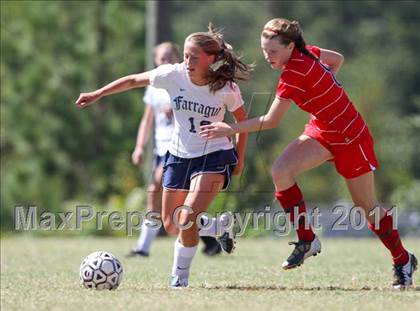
351, 274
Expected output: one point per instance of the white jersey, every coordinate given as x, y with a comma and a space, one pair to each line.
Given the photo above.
159, 99
193, 106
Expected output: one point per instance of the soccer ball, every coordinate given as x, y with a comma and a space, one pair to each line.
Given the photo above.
101, 270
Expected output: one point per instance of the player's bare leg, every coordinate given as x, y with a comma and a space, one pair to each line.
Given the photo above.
204, 188
302, 154
362, 190
171, 200
299, 156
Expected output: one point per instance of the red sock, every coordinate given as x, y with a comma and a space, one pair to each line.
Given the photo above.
290, 198
391, 239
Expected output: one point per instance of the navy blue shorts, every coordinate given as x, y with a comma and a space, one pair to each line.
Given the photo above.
178, 172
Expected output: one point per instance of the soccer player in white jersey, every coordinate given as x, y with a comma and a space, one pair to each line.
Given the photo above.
195, 169
158, 111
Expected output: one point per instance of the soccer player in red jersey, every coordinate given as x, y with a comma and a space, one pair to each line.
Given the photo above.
336, 132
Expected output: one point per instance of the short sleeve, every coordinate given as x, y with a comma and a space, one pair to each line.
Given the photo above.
162, 76
314, 50
290, 86
148, 96
233, 98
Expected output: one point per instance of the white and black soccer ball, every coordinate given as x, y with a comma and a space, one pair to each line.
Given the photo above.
101, 270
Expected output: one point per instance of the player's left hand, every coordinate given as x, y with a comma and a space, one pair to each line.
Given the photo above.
215, 130
86, 99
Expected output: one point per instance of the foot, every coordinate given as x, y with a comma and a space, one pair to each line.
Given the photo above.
227, 242
227, 239
212, 246
135, 253
177, 282
302, 251
403, 274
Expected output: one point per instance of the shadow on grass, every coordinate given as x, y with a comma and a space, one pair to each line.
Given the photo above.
301, 288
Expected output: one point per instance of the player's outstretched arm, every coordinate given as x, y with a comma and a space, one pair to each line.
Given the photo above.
268, 121
117, 86
241, 140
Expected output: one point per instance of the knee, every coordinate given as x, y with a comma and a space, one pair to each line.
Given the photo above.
187, 223
364, 201
368, 206
186, 220
280, 172
359, 202
184, 224
169, 226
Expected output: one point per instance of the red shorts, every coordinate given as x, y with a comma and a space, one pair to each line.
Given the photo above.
351, 160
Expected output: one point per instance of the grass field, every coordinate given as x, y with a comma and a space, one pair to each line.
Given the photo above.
349, 274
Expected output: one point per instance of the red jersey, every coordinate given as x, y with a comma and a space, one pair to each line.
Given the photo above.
313, 87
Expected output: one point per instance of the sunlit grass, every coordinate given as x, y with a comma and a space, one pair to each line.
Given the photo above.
351, 274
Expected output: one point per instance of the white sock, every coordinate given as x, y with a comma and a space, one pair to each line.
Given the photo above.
183, 257
214, 226
149, 231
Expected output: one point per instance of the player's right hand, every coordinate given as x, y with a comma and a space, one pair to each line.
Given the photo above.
137, 156
216, 130
86, 99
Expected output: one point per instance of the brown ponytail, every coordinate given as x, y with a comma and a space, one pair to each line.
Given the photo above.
227, 66
286, 32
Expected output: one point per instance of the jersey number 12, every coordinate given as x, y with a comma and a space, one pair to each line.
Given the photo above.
192, 128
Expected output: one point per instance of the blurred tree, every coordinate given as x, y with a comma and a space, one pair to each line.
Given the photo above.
50, 51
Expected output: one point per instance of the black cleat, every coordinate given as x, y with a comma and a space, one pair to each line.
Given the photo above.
303, 250
212, 246
227, 242
135, 253
227, 238
403, 274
